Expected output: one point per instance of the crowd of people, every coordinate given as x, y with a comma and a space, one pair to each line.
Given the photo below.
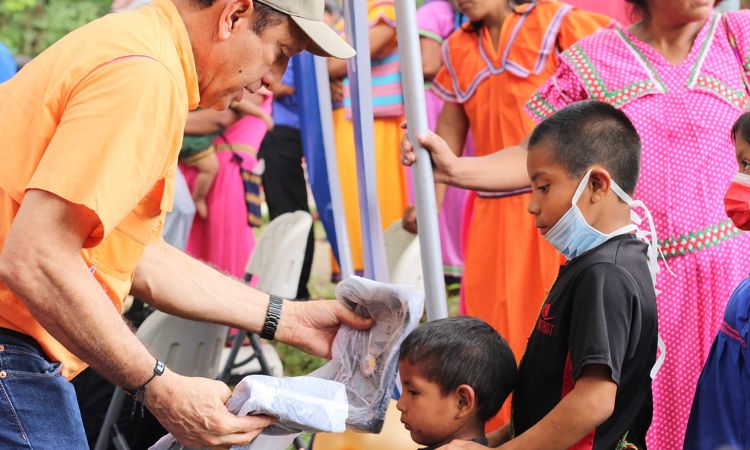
597, 136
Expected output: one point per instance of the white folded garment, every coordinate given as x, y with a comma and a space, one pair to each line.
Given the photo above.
299, 404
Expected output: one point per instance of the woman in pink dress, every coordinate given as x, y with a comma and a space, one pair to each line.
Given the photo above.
224, 237
682, 91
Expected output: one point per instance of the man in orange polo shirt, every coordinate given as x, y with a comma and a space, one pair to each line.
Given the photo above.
91, 131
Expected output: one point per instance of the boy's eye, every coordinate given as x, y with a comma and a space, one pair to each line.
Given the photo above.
744, 165
412, 392
543, 188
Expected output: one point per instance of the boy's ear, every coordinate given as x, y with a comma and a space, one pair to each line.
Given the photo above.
467, 400
600, 183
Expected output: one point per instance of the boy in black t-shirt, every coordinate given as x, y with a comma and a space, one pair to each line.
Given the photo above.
584, 381
455, 373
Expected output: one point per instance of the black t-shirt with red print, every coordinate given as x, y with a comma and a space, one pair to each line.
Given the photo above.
601, 310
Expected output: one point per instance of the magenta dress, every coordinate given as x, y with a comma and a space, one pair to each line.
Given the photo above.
224, 239
616, 9
436, 20
684, 114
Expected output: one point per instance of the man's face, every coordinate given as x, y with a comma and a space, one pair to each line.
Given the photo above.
239, 59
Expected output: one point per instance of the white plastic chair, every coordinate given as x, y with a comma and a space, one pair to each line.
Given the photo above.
277, 263
279, 253
187, 347
402, 255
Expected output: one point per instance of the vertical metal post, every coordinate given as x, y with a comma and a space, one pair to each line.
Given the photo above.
329, 146
360, 84
412, 80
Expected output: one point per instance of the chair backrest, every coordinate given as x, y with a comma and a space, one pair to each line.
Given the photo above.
187, 347
279, 253
403, 257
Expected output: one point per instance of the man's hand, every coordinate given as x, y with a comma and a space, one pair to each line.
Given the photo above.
311, 326
337, 91
409, 219
194, 411
443, 159
462, 445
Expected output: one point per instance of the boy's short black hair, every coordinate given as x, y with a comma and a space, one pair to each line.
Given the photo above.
464, 350
592, 132
741, 128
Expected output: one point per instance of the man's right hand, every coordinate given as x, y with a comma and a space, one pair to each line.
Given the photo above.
443, 159
194, 411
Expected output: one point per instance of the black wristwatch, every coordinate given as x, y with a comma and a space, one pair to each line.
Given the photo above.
273, 315
158, 371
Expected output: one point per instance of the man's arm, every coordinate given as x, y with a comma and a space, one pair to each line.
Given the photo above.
41, 263
587, 406
177, 284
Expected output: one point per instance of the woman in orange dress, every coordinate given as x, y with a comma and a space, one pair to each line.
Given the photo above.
388, 109
492, 65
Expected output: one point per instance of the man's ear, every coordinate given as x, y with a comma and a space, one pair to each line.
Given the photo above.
466, 401
600, 184
235, 15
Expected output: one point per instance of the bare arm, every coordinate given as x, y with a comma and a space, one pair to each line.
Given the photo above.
497, 172
178, 284
587, 406
432, 60
283, 90
53, 281
381, 36
206, 121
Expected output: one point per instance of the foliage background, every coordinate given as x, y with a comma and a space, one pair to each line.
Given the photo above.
29, 26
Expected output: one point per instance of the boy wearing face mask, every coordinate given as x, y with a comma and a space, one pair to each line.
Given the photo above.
585, 377
719, 417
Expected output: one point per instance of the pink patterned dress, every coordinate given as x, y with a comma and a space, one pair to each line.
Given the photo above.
436, 20
684, 114
224, 239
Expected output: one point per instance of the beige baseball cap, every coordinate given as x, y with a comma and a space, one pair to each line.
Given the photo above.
308, 15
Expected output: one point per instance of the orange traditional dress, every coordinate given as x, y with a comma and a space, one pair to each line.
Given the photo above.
388, 112
509, 267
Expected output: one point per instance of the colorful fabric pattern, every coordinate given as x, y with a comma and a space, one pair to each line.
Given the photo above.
687, 163
508, 265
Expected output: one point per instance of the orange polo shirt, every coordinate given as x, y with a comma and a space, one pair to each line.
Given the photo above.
98, 119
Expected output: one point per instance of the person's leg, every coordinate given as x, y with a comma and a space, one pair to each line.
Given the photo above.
207, 167
285, 187
38, 408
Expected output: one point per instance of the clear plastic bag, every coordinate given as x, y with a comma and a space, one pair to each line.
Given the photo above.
366, 362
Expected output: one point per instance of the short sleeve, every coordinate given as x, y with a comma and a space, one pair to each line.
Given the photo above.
578, 24
382, 12
443, 85
738, 26
601, 319
562, 89
118, 137
435, 20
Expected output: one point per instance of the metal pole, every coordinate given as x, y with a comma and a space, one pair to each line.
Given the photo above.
412, 80
329, 146
360, 84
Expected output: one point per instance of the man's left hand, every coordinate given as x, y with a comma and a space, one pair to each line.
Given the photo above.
312, 325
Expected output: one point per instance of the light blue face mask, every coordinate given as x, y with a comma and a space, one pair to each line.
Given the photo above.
573, 236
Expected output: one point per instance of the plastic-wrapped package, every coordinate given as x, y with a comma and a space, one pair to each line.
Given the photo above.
366, 362
299, 404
